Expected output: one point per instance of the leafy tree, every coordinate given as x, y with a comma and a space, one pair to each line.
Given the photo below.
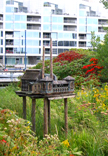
102, 56
94, 41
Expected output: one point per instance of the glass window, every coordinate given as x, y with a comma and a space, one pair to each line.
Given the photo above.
32, 42
9, 18
46, 27
54, 35
9, 25
16, 34
17, 17
66, 43
60, 19
54, 27
60, 43
54, 19
9, 9
1, 33
46, 19
60, 27
23, 17
17, 42
92, 28
82, 28
32, 50
82, 13
1, 50
82, 20
74, 36
67, 35
73, 43
60, 35
23, 26
92, 21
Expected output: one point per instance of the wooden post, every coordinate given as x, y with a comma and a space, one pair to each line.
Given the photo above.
51, 60
66, 116
24, 107
33, 114
43, 62
49, 126
45, 116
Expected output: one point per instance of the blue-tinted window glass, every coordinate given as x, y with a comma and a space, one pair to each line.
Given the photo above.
9, 9
54, 27
17, 42
35, 34
9, 17
54, 19
92, 21
32, 34
92, 28
32, 42
82, 20
60, 35
16, 34
60, 19
82, 13
46, 19
32, 50
17, 25
46, 27
67, 35
23, 17
88, 36
17, 17
88, 44
54, 35
9, 25
74, 36
82, 29
60, 27
23, 26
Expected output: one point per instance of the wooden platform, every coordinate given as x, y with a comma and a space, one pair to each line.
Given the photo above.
47, 99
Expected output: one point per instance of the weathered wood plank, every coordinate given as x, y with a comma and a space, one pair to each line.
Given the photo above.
33, 114
24, 107
49, 126
63, 97
45, 116
66, 116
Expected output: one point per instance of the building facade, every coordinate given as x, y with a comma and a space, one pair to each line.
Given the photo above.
23, 34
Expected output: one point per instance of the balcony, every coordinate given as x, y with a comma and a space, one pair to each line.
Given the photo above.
100, 29
1, 26
70, 21
33, 27
82, 45
33, 19
9, 51
9, 43
70, 29
82, 38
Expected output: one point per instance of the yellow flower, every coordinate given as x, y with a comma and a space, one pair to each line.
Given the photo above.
65, 143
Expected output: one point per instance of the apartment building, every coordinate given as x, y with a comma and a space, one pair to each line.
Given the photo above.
24, 33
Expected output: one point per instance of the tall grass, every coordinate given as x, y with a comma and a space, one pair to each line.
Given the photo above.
87, 118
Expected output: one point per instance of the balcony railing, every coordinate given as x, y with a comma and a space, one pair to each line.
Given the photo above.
34, 27
1, 26
103, 23
9, 43
82, 45
33, 20
70, 29
82, 38
70, 21
9, 35
46, 36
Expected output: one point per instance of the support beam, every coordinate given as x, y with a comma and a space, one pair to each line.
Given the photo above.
24, 107
66, 116
45, 116
33, 114
49, 126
